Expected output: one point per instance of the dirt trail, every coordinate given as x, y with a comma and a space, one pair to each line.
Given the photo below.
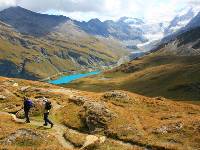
68, 92
58, 131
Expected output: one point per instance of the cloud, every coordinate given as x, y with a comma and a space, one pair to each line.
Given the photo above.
194, 2
63, 5
151, 10
84, 9
7, 3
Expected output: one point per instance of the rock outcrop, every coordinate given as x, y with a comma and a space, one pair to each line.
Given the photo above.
93, 141
169, 128
96, 116
22, 135
78, 100
2, 97
116, 96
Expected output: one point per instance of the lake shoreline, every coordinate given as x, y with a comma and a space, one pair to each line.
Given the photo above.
69, 78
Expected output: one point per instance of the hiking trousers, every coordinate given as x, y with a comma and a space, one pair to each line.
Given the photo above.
26, 113
46, 119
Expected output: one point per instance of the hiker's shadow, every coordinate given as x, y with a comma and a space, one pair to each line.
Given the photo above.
43, 128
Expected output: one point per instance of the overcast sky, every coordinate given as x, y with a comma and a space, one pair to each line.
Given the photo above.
150, 10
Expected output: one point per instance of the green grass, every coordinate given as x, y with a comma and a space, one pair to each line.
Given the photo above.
135, 119
57, 46
168, 76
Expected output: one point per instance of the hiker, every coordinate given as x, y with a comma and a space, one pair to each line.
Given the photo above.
28, 104
47, 108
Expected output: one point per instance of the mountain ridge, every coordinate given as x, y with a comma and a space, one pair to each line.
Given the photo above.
171, 70
57, 52
39, 25
131, 32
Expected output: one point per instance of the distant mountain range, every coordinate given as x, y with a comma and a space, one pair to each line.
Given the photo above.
171, 70
131, 32
36, 46
30, 23
185, 43
181, 20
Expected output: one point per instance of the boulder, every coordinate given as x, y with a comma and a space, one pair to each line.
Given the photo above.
160, 98
169, 128
22, 135
2, 97
24, 88
96, 116
116, 96
76, 138
78, 100
93, 141
15, 85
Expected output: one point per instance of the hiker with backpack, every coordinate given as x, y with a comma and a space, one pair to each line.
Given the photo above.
47, 108
28, 104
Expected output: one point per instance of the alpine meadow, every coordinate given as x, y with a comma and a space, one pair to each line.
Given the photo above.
99, 75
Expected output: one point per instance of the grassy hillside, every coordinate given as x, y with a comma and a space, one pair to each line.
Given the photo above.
65, 49
171, 70
170, 76
122, 120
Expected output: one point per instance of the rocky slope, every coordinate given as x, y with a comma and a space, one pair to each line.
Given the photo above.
171, 70
131, 32
65, 49
42, 24
31, 23
185, 44
183, 23
96, 120
182, 19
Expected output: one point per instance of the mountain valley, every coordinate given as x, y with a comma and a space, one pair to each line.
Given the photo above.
140, 85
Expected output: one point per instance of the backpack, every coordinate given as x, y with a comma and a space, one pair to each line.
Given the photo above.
48, 105
29, 103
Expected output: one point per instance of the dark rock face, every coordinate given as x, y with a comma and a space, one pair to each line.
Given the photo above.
193, 25
187, 43
6, 65
31, 23
189, 37
94, 26
74, 54
10, 69
195, 22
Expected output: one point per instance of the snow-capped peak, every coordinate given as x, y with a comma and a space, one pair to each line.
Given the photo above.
130, 20
183, 17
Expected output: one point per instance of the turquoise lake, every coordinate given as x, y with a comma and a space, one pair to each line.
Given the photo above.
70, 78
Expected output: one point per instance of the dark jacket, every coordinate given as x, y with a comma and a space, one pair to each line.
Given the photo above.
27, 104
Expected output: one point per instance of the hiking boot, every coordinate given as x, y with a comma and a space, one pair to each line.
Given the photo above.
52, 125
27, 121
44, 124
